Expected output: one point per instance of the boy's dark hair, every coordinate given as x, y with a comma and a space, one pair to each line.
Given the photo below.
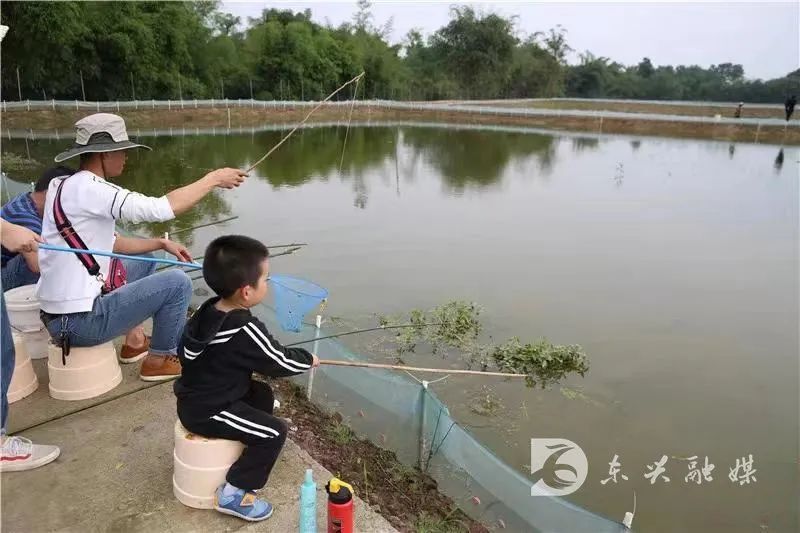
232, 262
49, 175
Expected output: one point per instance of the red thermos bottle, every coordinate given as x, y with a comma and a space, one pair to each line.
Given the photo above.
340, 506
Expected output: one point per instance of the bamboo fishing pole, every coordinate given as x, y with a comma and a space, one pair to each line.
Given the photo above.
334, 362
254, 165
214, 223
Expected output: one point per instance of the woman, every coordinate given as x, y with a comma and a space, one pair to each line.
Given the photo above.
77, 306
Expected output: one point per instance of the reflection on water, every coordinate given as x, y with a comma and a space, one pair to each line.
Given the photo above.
580, 144
779, 160
474, 159
672, 262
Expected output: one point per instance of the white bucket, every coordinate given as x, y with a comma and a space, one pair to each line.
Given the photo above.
200, 465
36, 343
23, 308
89, 372
24, 380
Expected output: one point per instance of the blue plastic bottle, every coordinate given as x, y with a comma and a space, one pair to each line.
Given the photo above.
308, 504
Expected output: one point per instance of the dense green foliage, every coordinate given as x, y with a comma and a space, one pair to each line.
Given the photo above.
122, 50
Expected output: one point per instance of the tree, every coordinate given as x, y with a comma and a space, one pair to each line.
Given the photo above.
477, 50
114, 50
45, 42
535, 72
225, 23
362, 19
590, 79
728, 72
555, 41
645, 68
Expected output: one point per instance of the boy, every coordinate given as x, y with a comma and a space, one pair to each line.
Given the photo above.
222, 345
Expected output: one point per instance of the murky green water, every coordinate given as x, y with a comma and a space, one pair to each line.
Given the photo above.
673, 263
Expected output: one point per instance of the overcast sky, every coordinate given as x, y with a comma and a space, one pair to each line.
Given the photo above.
763, 37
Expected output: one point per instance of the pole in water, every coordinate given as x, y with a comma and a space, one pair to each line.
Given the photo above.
314, 350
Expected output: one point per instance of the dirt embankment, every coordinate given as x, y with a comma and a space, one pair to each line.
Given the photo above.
218, 117
405, 496
658, 109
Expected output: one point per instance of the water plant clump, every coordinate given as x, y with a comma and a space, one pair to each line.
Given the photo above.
454, 330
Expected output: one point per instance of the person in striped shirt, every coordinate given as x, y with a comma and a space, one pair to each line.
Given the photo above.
26, 210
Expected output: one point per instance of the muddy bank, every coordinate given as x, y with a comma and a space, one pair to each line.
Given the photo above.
405, 496
219, 117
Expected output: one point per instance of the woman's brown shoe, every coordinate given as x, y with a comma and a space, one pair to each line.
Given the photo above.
160, 368
132, 355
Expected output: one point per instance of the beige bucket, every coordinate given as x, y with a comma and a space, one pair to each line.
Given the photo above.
89, 372
24, 380
36, 343
23, 308
200, 466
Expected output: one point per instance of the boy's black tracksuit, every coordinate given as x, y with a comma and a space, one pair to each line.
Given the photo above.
216, 394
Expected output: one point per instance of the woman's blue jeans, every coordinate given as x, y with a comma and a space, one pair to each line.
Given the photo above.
164, 296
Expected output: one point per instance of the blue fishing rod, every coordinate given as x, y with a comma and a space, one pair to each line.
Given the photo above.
146, 259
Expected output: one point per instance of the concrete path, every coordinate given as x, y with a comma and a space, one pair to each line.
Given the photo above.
115, 471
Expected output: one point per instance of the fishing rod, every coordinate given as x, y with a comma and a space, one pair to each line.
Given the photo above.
214, 223
334, 362
146, 259
296, 246
193, 266
158, 269
286, 137
367, 330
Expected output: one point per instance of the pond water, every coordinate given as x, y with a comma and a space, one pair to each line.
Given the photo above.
673, 263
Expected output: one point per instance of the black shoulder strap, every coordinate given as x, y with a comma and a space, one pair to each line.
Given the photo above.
70, 236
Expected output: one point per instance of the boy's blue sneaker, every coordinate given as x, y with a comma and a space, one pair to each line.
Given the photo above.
243, 504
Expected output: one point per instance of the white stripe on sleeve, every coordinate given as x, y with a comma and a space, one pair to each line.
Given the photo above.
288, 365
280, 354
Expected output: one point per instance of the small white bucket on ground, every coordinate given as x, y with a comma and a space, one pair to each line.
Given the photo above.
23, 308
36, 343
201, 464
24, 380
89, 372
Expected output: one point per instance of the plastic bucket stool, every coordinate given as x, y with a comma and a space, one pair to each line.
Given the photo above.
200, 466
36, 343
23, 308
89, 372
24, 380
